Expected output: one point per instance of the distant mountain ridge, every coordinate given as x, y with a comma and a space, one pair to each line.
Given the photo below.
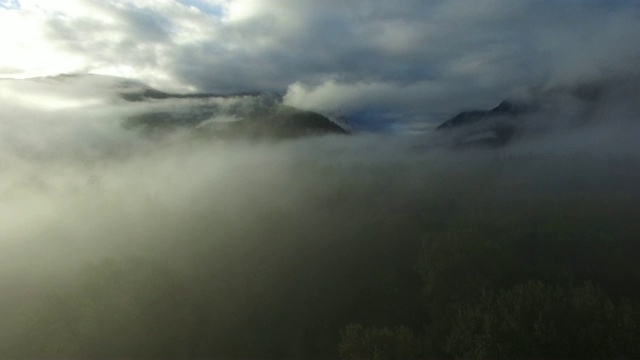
500, 130
543, 111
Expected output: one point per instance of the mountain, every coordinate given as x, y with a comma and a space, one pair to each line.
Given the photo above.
278, 122
492, 128
242, 115
149, 111
545, 111
506, 108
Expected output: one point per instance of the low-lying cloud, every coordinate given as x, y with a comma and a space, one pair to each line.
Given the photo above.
77, 186
76, 180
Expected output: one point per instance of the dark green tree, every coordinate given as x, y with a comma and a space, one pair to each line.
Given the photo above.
535, 320
359, 342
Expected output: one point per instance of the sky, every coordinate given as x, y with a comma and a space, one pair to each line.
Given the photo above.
418, 60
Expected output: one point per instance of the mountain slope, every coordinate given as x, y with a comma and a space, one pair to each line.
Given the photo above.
542, 112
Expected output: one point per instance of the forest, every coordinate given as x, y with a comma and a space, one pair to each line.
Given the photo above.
415, 256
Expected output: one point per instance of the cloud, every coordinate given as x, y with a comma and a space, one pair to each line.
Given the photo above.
480, 54
474, 53
426, 101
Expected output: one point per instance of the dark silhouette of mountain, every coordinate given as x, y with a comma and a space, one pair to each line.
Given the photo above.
505, 108
546, 110
492, 128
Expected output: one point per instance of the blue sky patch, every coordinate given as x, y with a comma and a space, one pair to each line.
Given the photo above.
204, 7
10, 4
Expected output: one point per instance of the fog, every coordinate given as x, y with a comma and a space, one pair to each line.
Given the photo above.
77, 186
142, 216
